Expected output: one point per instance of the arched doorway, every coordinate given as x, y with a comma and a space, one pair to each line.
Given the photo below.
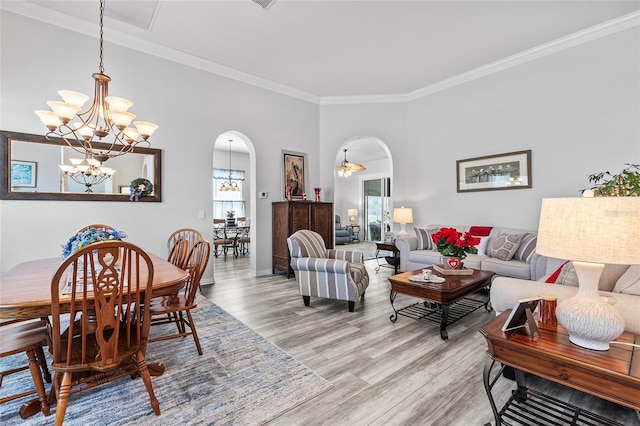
234, 153
367, 192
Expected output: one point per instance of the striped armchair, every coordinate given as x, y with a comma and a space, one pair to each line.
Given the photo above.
321, 272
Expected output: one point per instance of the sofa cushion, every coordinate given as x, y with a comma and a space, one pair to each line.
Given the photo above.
428, 257
629, 282
566, 275
505, 246
482, 246
512, 268
424, 238
526, 249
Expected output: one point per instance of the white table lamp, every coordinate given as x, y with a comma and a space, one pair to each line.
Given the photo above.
403, 215
353, 213
590, 232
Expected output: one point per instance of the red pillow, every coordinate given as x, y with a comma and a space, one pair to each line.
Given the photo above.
480, 231
553, 277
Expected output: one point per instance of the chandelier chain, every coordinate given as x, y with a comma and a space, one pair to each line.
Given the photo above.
101, 67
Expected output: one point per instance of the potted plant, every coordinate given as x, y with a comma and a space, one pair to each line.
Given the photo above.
454, 246
624, 184
231, 218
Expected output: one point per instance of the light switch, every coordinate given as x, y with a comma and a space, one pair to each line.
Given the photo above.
201, 214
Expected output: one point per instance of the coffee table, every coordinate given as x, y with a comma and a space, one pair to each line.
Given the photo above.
613, 375
445, 303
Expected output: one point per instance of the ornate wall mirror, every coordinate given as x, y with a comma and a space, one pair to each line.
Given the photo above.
31, 171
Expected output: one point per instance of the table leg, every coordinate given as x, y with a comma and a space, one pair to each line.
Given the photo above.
443, 324
392, 297
488, 385
378, 267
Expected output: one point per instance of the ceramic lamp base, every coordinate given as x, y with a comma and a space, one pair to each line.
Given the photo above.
591, 322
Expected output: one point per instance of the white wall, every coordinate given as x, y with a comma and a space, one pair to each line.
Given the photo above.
577, 110
191, 107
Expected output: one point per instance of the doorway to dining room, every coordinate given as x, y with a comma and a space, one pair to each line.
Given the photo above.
233, 199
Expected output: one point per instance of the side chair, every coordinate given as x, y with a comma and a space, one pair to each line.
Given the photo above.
172, 309
101, 290
190, 235
26, 337
328, 273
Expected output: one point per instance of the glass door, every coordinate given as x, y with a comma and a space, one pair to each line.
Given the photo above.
376, 204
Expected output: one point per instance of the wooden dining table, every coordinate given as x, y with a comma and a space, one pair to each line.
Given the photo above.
25, 292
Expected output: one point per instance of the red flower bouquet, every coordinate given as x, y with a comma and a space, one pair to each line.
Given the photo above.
450, 242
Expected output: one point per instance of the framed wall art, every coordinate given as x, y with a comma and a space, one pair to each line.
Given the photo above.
294, 173
23, 174
494, 172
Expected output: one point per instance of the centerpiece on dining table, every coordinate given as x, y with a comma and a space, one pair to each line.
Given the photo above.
454, 246
89, 236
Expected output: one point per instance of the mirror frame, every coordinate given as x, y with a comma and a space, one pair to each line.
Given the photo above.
5, 177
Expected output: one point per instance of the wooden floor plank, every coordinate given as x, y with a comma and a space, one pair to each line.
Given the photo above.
383, 373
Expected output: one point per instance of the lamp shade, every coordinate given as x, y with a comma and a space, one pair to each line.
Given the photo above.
599, 229
403, 215
352, 212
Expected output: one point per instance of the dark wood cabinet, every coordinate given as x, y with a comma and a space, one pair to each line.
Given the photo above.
291, 216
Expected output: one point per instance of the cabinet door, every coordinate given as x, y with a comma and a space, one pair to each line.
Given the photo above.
280, 230
323, 222
299, 216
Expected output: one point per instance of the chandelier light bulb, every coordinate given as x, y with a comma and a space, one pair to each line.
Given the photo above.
64, 110
121, 118
118, 104
49, 119
145, 128
73, 98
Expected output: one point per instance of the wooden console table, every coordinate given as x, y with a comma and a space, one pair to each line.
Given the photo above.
613, 375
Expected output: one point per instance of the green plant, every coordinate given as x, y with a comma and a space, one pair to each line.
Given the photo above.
624, 184
231, 214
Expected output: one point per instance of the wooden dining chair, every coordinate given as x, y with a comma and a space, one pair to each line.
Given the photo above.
191, 235
172, 309
104, 287
95, 225
26, 337
243, 240
179, 252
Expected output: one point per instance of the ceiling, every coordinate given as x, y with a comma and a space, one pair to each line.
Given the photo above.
337, 48
318, 50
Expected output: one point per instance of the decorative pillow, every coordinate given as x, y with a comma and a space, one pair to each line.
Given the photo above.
480, 231
526, 249
559, 274
629, 282
424, 238
482, 247
505, 246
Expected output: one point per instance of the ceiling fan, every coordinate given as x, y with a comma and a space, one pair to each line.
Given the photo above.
346, 168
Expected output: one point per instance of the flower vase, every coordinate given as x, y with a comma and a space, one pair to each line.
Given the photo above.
289, 192
317, 193
451, 262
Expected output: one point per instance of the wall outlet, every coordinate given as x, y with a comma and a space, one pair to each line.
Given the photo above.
201, 214
264, 195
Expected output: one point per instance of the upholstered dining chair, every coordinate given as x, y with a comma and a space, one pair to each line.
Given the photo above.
322, 272
172, 309
26, 337
102, 286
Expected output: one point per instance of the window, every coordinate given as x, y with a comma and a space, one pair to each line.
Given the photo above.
224, 201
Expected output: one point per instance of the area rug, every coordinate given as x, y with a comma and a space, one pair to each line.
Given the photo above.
367, 247
242, 379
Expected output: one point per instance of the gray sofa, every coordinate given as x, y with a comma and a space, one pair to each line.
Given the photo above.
412, 258
620, 284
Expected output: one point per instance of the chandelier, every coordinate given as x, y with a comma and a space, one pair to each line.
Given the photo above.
229, 184
87, 172
346, 168
107, 116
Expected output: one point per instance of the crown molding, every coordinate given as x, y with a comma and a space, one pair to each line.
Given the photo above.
49, 16
584, 36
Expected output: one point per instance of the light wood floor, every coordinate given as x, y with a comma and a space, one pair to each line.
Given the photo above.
383, 373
